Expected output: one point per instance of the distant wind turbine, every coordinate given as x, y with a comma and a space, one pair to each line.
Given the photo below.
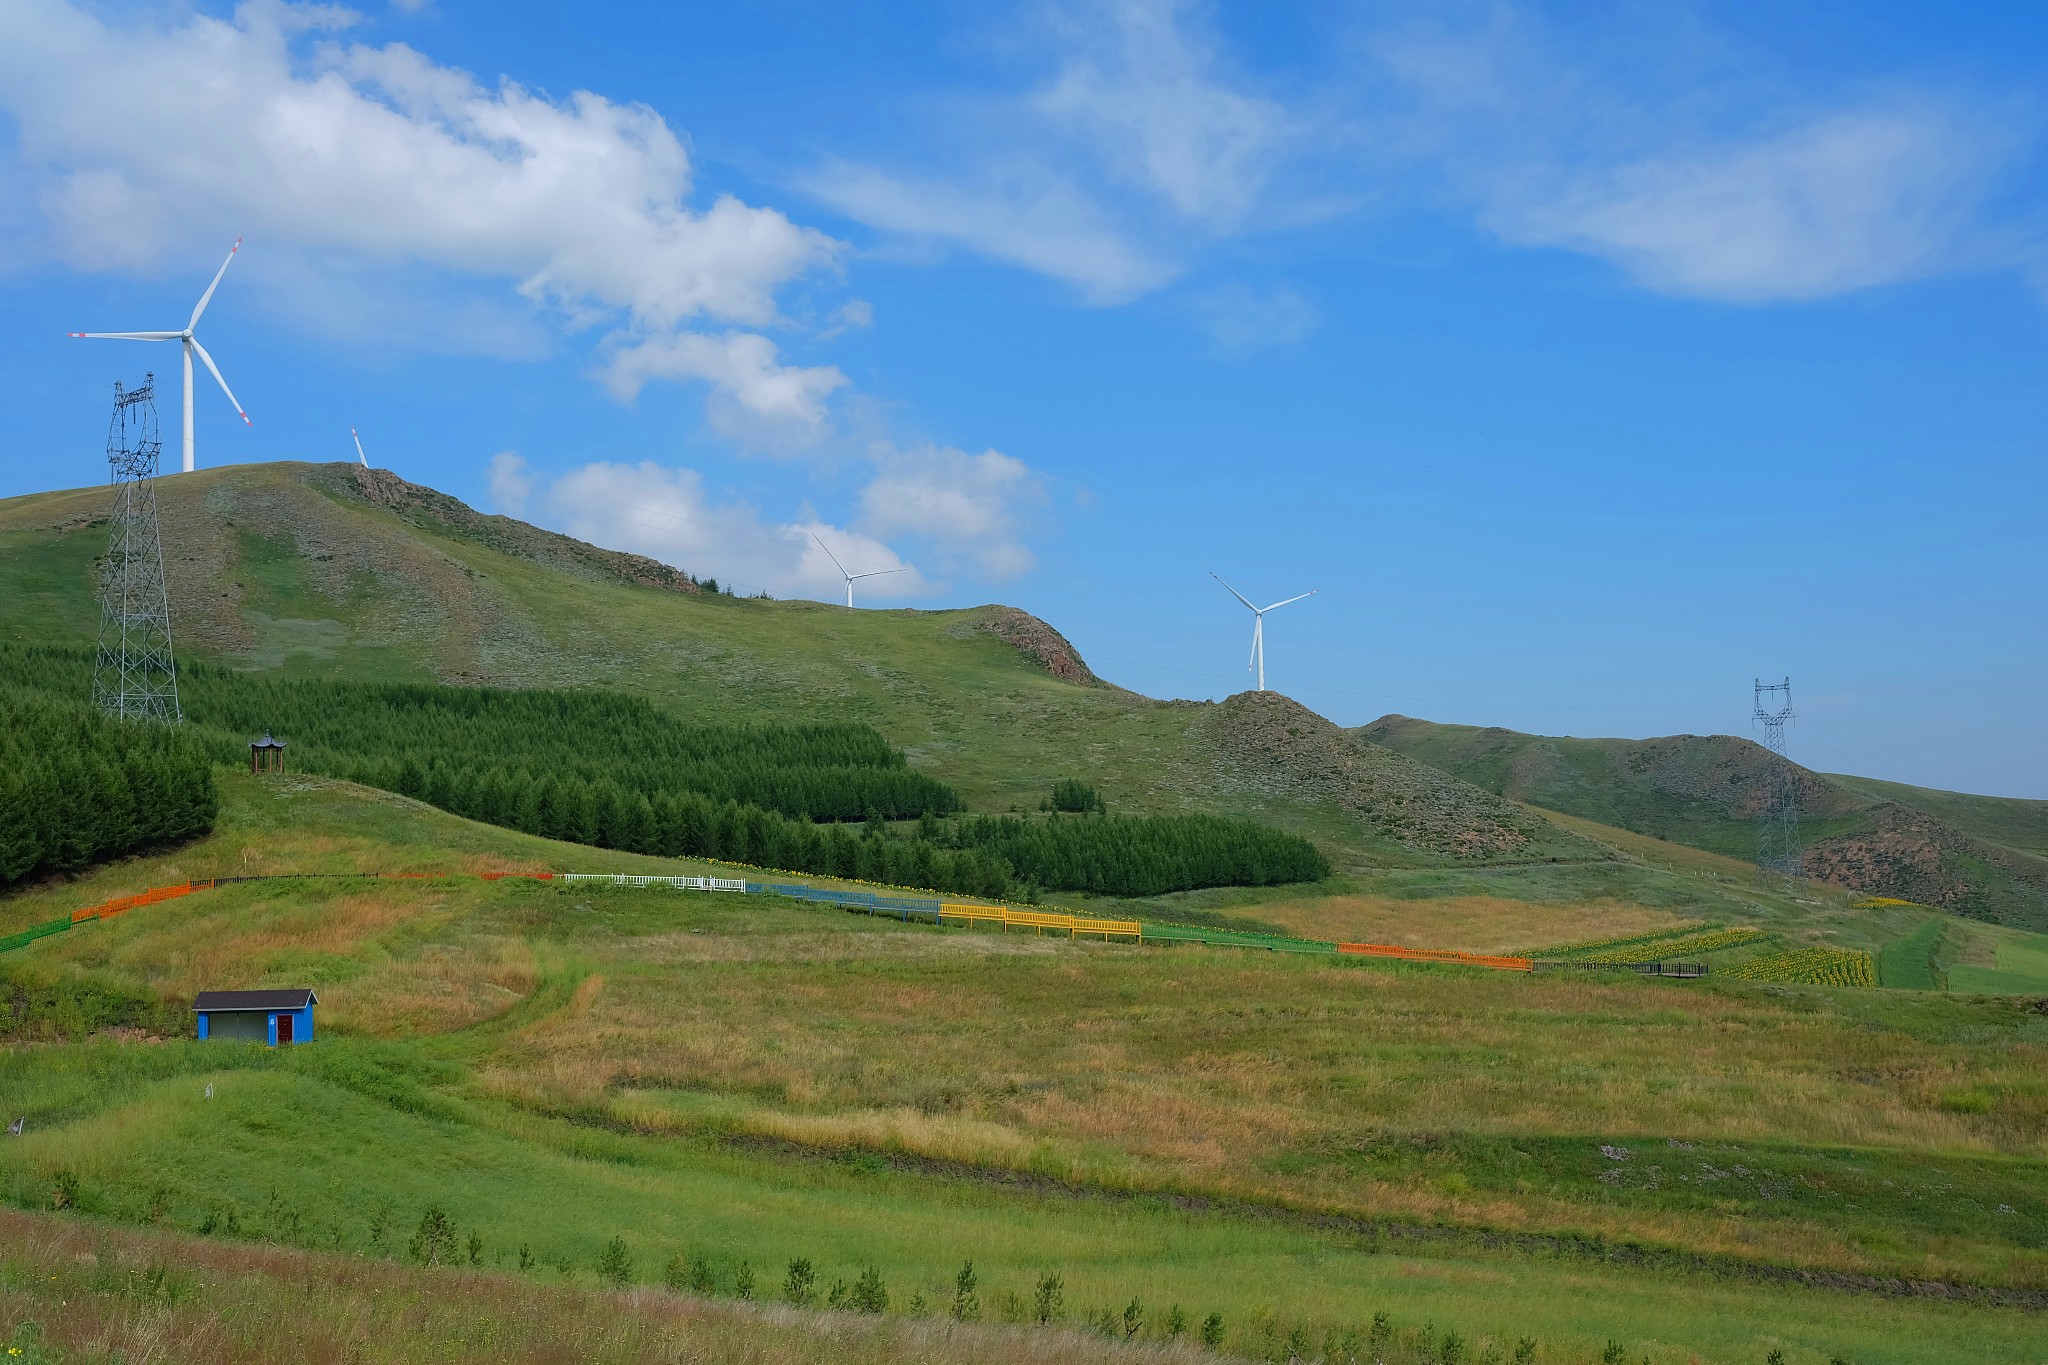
191, 345
849, 577
359, 447
1258, 662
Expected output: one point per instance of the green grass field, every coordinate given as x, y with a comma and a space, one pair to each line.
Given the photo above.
756, 1079
1693, 1171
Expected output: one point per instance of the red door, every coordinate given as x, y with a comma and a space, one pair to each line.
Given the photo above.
284, 1028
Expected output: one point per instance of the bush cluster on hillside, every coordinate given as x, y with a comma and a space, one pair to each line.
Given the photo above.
77, 788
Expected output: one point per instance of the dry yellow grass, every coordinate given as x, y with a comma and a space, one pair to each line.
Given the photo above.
1472, 924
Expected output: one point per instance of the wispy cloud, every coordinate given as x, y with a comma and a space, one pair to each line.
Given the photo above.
1140, 144
1135, 146
1843, 201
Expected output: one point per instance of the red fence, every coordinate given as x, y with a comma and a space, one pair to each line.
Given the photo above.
1505, 964
106, 909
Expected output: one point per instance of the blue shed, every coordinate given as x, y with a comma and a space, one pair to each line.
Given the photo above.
268, 1017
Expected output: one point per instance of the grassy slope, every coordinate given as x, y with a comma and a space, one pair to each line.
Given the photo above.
1975, 855
305, 568
562, 1065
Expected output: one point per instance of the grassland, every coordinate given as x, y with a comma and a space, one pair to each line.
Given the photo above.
1978, 856
1700, 1171
1290, 1143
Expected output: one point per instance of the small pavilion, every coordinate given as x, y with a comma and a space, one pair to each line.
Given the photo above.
266, 755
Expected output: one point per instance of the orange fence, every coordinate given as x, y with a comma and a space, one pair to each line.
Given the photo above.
1041, 920
107, 909
1505, 964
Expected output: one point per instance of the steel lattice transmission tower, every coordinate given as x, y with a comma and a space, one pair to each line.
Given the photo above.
1777, 820
135, 677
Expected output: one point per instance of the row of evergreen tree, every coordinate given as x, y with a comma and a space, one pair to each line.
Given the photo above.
371, 731
589, 767
1121, 855
77, 788
983, 856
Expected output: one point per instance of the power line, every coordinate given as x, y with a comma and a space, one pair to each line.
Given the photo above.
1777, 820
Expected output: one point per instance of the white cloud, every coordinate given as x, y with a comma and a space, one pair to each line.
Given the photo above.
143, 143
758, 397
512, 482
970, 508
1846, 201
667, 514
1241, 318
1145, 91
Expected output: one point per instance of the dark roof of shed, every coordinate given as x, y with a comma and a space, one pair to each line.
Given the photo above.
254, 1000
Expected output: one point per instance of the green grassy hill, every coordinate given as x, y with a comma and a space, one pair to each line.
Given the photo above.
1978, 856
347, 572
1293, 1144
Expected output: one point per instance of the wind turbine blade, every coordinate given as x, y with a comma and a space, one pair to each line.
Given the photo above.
1258, 628
876, 573
834, 558
215, 369
1310, 593
1233, 591
207, 297
128, 336
359, 447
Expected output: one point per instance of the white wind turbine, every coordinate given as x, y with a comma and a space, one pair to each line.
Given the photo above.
1258, 662
849, 577
191, 344
359, 447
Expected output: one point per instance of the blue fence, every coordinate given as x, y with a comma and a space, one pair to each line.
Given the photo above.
905, 908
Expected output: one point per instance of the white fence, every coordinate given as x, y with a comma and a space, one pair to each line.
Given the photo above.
679, 883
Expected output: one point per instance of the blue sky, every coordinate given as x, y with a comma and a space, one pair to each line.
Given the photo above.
1589, 360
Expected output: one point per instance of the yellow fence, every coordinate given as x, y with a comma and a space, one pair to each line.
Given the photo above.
1041, 920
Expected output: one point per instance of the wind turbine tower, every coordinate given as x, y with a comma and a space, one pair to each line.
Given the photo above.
849, 577
191, 346
1258, 663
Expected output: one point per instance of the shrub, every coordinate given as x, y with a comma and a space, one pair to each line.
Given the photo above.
869, 1294
615, 1263
1047, 1301
433, 1243
1525, 1351
966, 1305
703, 1279
1134, 1318
676, 1274
800, 1285
1212, 1331
743, 1282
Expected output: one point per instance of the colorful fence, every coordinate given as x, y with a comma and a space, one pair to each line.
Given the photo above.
108, 909
1504, 964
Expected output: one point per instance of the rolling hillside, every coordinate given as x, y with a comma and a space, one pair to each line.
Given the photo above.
345, 572
1978, 856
